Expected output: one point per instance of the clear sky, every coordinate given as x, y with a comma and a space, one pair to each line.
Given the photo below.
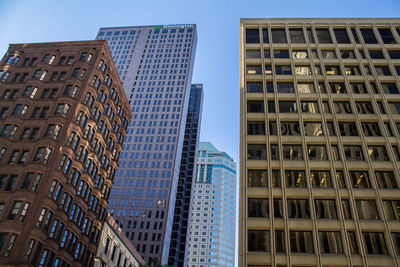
217, 57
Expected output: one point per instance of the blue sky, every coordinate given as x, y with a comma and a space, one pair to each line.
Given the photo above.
217, 57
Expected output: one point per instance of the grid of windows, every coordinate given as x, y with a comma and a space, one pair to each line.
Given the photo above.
320, 148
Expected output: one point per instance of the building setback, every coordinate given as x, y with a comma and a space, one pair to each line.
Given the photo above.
319, 142
213, 217
63, 119
155, 64
187, 172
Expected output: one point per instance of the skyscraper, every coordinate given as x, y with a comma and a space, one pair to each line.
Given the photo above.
63, 119
212, 225
319, 143
155, 64
187, 172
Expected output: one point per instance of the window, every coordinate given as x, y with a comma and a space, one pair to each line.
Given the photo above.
301, 241
296, 36
359, 179
253, 54
258, 208
394, 54
285, 87
305, 88
254, 87
341, 36
256, 128
328, 54
255, 106
376, 54
313, 129
287, 107
252, 36
333, 70
382, 71
323, 36
299, 54
330, 242
375, 243
283, 70
347, 129
15, 210
325, 209
320, 179
342, 107
298, 208
302, 70
347, 54
258, 240
256, 152
280, 241
257, 178
295, 178
366, 209
10, 245
371, 129
387, 37
392, 209
281, 54
386, 180
278, 36
352, 70
254, 70
378, 153
292, 152
353, 152
358, 88
317, 152
290, 128
365, 108
346, 209
390, 88
369, 36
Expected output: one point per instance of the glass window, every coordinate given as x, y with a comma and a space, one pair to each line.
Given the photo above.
375, 243
257, 178
278, 36
382, 71
253, 54
347, 129
347, 54
285, 87
254, 87
355, 36
366, 209
299, 54
325, 209
267, 54
290, 128
351, 238
317, 152
298, 208
371, 129
328, 54
352, 70
268, 70
376, 54
283, 70
392, 209
369, 36
335, 153
295, 178
302, 70
353, 152
292, 152
281, 54
378, 153
276, 178
252, 36
313, 129
330, 242
394, 54
360, 179
386, 180
320, 179
387, 36
258, 240
358, 88
341, 36
333, 70
342, 107
396, 240
280, 241
277, 208
273, 128
254, 69
305, 88
287, 107
338, 88
365, 108
346, 209
265, 36
271, 106
274, 152
258, 208
296, 36
256, 152
301, 241
389, 88
323, 36
310, 36
256, 128
255, 106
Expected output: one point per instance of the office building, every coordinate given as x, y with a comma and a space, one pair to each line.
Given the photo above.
213, 219
155, 64
63, 119
185, 183
114, 248
319, 142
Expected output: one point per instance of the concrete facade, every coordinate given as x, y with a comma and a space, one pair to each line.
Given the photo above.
319, 142
63, 120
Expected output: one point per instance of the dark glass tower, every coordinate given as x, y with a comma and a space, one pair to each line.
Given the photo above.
186, 174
